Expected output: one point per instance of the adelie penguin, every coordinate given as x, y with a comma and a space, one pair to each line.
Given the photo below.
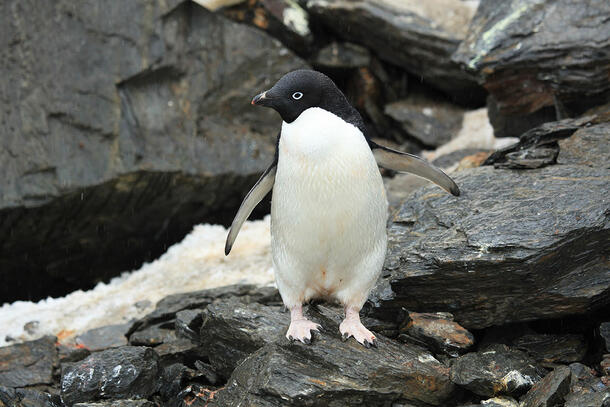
328, 208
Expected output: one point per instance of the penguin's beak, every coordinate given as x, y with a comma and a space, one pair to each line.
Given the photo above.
261, 99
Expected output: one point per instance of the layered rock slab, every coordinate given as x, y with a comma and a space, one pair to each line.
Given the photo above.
515, 246
141, 131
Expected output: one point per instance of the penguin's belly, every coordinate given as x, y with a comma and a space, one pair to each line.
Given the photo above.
329, 207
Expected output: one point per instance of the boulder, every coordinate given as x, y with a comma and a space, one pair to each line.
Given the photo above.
537, 55
336, 373
496, 370
125, 372
29, 363
550, 391
113, 151
515, 246
418, 36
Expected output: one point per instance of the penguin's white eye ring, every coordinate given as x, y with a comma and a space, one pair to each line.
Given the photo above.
297, 95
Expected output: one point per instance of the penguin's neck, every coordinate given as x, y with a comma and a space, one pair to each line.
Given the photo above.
318, 134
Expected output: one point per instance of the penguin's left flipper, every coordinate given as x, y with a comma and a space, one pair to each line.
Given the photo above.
404, 162
256, 194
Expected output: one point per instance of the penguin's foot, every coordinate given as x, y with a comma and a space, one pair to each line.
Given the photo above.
352, 327
300, 330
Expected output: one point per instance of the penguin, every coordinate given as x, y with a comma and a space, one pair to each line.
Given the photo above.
328, 207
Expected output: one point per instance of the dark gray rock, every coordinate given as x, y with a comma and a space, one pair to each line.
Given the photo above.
587, 146
420, 37
550, 391
432, 122
531, 55
515, 246
119, 403
126, 372
166, 309
113, 146
187, 324
111, 336
29, 363
10, 397
180, 350
153, 335
437, 332
341, 55
496, 370
601, 399
231, 331
331, 372
548, 348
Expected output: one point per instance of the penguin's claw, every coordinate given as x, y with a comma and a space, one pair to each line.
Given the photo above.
300, 330
352, 327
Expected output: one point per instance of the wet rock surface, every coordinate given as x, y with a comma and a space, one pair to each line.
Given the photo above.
471, 255
529, 54
129, 140
496, 370
119, 373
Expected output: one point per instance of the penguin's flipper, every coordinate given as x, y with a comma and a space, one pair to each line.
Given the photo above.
404, 162
256, 194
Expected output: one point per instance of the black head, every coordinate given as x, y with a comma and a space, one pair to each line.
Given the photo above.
299, 90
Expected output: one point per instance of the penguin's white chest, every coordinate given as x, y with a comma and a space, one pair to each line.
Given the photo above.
329, 207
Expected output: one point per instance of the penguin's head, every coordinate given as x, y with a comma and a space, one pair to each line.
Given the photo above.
299, 90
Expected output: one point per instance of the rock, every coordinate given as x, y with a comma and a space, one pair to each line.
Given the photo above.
119, 403
341, 55
29, 363
125, 372
547, 348
496, 370
284, 20
420, 37
168, 307
196, 395
601, 399
584, 380
111, 336
112, 152
336, 373
604, 365
153, 335
538, 147
231, 331
550, 391
27, 398
180, 350
495, 402
431, 122
188, 322
450, 254
437, 332
513, 125
587, 146
529, 55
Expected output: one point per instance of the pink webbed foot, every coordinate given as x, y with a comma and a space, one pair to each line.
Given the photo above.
352, 327
300, 327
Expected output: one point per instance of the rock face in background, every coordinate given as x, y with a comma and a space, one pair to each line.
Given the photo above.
532, 55
114, 145
419, 36
515, 246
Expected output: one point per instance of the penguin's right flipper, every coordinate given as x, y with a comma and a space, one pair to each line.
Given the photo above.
398, 161
256, 194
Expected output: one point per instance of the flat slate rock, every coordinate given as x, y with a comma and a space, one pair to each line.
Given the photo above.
142, 131
549, 348
330, 372
10, 397
496, 370
111, 336
471, 255
126, 372
418, 36
29, 363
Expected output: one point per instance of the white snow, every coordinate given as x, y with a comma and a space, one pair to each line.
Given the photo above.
196, 263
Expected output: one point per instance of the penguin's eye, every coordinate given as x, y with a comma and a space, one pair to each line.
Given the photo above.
297, 95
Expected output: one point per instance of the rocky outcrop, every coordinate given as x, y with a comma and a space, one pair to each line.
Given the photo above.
538, 58
419, 37
113, 151
472, 255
